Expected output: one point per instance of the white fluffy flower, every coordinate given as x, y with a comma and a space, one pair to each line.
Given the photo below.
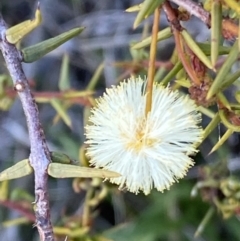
147, 152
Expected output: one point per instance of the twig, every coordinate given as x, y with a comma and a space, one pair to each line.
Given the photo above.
177, 28
39, 153
229, 28
194, 9
19, 207
47, 96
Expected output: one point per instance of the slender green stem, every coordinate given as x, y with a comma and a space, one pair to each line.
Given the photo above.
151, 69
204, 222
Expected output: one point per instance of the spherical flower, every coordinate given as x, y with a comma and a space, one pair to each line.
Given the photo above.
150, 151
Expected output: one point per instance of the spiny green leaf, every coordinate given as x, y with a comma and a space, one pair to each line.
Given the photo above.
172, 73
222, 73
220, 142
163, 34
58, 106
224, 100
206, 48
147, 8
75, 94
69, 232
211, 126
95, 78
237, 96
58, 170
216, 20
64, 80
17, 32
196, 49
134, 8
20, 169
37, 51
234, 5
206, 111
204, 222
4, 190
231, 78
183, 82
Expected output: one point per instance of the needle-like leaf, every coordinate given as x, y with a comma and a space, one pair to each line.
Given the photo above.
58, 170
17, 32
20, 169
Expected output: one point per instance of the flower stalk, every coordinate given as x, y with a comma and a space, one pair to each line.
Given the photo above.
151, 68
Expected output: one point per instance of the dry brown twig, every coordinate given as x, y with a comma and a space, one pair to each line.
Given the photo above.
177, 28
196, 9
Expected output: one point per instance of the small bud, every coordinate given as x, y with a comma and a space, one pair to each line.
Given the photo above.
19, 87
61, 158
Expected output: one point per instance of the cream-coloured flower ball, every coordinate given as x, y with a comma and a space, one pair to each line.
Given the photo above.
149, 152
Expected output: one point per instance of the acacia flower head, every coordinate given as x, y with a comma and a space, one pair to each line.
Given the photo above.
149, 151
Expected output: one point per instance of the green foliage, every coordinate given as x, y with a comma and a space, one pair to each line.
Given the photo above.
17, 32
172, 215
37, 51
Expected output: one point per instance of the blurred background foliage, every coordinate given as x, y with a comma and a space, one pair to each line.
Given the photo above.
98, 58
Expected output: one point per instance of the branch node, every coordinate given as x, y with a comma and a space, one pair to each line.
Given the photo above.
19, 87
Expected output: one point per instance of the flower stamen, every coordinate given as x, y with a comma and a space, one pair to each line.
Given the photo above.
150, 151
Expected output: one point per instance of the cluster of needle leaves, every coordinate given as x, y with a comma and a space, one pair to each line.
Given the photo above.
205, 70
202, 69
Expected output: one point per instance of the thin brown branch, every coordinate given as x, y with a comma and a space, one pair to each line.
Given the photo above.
20, 207
39, 154
229, 28
176, 28
194, 9
47, 96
